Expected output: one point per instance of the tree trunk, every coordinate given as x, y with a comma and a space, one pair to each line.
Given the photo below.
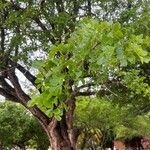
58, 136
62, 135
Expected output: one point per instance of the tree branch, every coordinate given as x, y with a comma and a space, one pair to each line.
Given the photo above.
24, 98
89, 7
36, 19
85, 86
7, 87
26, 73
8, 96
59, 6
20, 93
2, 39
40, 24
86, 93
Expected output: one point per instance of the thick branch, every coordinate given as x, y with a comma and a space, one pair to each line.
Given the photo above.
24, 98
7, 87
20, 96
42, 117
20, 93
26, 73
8, 96
69, 120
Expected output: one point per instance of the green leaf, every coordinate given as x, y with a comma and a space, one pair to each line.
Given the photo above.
121, 57
146, 59
101, 60
58, 113
38, 64
58, 117
140, 52
33, 101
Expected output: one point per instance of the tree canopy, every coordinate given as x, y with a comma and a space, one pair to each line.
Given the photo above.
96, 60
18, 128
71, 48
101, 122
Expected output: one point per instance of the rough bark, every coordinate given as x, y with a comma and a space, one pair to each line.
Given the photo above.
60, 136
61, 133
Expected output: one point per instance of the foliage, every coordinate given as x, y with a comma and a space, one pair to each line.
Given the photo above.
107, 57
19, 128
101, 122
96, 53
97, 119
133, 127
46, 22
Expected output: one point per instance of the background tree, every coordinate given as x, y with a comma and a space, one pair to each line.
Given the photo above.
18, 128
29, 28
101, 122
96, 119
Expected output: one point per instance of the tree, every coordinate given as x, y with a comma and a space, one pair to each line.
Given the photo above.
94, 60
28, 27
101, 122
97, 118
22, 131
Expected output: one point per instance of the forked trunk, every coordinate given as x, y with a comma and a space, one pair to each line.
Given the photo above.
61, 134
60, 137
